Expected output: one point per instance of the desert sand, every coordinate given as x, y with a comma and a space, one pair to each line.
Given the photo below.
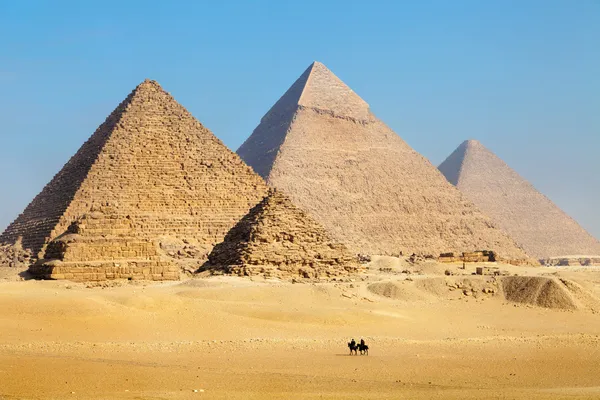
431, 336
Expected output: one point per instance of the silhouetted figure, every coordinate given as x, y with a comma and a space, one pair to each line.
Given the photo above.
363, 348
353, 347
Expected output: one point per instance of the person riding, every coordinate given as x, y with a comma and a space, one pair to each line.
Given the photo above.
362, 342
352, 343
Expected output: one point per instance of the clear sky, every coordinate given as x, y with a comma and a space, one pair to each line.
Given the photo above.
522, 76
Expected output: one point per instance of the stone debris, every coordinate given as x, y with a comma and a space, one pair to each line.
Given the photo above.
14, 256
529, 217
277, 239
548, 292
150, 171
324, 148
495, 271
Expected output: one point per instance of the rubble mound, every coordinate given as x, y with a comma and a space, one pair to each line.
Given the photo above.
14, 256
398, 291
544, 292
277, 239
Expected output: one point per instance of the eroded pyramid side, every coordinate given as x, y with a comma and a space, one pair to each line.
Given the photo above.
371, 190
533, 220
36, 225
159, 168
278, 239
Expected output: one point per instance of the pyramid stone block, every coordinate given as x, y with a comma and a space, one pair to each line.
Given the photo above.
528, 216
277, 239
321, 145
151, 170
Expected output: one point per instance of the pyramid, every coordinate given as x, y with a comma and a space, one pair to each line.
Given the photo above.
151, 171
277, 239
322, 146
528, 216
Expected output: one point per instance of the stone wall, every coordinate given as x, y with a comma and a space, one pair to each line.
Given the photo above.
102, 246
571, 261
100, 271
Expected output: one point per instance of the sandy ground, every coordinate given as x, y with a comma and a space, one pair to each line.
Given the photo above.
236, 338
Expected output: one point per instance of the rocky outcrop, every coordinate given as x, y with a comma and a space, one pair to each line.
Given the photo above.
277, 239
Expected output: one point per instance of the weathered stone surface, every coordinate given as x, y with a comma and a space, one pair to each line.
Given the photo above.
277, 239
321, 145
528, 216
13, 255
151, 170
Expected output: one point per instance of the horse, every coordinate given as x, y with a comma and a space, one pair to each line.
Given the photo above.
353, 348
363, 349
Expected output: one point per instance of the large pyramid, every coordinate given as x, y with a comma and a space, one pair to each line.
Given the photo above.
278, 239
528, 216
150, 172
321, 145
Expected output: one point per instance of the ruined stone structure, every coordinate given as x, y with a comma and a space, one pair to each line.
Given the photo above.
277, 239
470, 257
323, 147
14, 256
528, 216
150, 171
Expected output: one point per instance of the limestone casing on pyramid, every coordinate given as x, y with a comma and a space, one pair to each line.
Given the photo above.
278, 239
322, 146
151, 164
528, 216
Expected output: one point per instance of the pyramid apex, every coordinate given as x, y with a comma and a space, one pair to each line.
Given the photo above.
323, 90
149, 83
472, 142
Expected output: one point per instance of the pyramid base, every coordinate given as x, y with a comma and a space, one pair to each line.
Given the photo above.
105, 270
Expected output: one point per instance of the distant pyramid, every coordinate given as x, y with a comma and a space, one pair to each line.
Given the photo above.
528, 216
150, 171
278, 239
321, 145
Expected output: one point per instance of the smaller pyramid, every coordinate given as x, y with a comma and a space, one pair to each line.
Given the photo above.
277, 239
529, 217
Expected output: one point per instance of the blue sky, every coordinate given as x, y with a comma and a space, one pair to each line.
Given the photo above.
522, 76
